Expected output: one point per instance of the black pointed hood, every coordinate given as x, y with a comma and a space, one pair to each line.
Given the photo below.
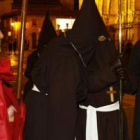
88, 26
88, 30
90, 38
47, 33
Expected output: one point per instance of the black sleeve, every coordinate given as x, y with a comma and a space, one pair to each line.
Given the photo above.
31, 60
134, 64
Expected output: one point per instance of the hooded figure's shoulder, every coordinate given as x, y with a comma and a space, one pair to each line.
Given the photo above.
137, 46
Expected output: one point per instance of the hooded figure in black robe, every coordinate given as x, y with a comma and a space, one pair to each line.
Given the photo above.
46, 34
134, 65
58, 86
35, 126
91, 40
75, 68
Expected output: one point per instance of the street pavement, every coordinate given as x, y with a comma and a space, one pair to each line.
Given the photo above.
128, 100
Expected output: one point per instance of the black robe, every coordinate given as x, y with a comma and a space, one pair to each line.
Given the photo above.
57, 73
134, 65
31, 60
100, 78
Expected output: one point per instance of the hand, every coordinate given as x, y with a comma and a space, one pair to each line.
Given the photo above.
119, 69
11, 110
122, 73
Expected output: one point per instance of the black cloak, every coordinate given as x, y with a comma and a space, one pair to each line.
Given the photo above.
46, 34
134, 65
90, 38
35, 126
